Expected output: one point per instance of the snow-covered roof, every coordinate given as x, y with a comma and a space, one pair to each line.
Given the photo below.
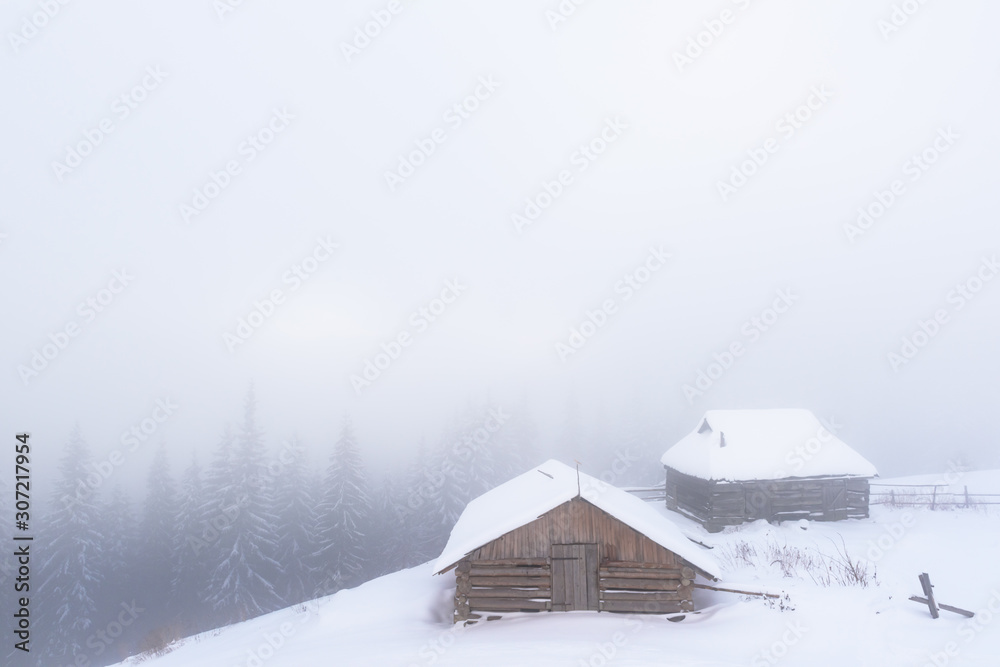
742, 445
543, 488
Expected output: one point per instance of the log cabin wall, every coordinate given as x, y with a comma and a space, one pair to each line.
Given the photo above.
718, 504
631, 573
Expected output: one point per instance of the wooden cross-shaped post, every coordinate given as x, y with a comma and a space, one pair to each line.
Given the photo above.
928, 599
925, 583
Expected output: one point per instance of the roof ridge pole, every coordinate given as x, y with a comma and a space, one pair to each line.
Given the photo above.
577, 478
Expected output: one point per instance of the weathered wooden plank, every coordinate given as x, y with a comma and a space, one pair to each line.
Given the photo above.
514, 562
513, 582
635, 596
509, 593
591, 560
610, 583
498, 571
646, 607
634, 564
640, 574
577, 575
506, 604
561, 589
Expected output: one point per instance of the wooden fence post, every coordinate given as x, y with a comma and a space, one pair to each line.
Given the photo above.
966, 495
934, 502
925, 583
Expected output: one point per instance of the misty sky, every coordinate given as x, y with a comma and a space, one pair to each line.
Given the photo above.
641, 139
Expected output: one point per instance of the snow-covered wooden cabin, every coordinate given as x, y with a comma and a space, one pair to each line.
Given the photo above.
744, 465
554, 539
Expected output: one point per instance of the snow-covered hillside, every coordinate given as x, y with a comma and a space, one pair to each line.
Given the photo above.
404, 618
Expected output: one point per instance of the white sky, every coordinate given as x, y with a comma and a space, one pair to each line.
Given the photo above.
655, 186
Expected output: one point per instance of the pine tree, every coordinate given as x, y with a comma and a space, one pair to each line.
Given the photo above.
242, 584
158, 535
296, 511
418, 510
218, 504
389, 538
344, 513
70, 573
451, 480
191, 551
121, 553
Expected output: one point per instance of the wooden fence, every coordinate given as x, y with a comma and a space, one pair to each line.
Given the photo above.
933, 496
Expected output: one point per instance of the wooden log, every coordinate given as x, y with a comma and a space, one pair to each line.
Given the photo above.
513, 582
509, 593
947, 607
506, 604
639, 573
631, 565
647, 607
612, 583
513, 562
497, 571
634, 596
733, 590
925, 582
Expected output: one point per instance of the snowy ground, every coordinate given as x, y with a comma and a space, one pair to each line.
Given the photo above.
404, 618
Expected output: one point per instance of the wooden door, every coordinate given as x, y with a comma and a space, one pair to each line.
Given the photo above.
834, 499
574, 577
758, 497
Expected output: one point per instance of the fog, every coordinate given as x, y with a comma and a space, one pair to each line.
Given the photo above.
190, 226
